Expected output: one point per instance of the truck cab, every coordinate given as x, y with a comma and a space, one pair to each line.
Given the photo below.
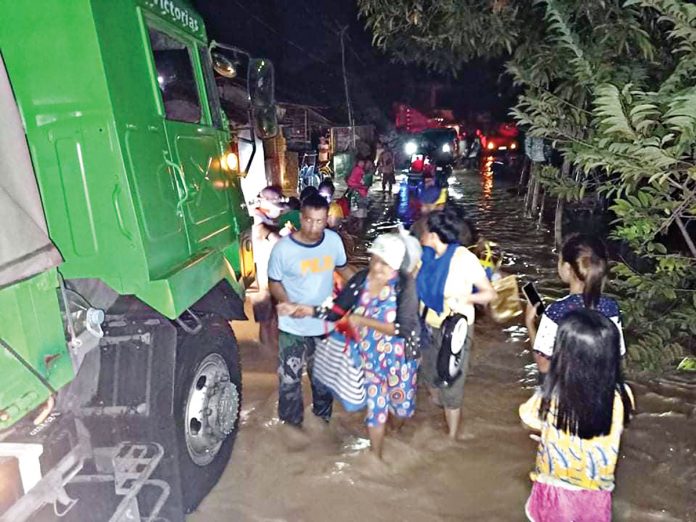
116, 156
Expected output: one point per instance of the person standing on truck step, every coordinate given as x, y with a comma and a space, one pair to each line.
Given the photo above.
301, 271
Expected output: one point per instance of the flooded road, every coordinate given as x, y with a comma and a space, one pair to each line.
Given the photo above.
325, 474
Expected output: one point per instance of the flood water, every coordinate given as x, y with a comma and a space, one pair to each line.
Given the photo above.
326, 474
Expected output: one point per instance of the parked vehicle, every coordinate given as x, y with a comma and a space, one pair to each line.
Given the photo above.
497, 144
124, 254
504, 140
432, 154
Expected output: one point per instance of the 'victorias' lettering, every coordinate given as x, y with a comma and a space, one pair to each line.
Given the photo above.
179, 14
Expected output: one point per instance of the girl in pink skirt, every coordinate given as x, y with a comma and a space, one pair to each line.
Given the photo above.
580, 413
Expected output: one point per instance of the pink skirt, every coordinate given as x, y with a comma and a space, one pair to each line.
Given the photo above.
549, 503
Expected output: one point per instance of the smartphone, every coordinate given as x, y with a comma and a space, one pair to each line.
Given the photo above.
530, 292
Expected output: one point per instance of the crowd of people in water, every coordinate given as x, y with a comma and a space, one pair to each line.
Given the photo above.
408, 321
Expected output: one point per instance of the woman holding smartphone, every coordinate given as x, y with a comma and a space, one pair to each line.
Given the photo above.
583, 266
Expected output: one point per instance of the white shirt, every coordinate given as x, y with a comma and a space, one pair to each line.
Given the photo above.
464, 269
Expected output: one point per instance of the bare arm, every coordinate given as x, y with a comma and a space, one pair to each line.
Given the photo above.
346, 272
360, 320
530, 320
278, 291
486, 293
543, 363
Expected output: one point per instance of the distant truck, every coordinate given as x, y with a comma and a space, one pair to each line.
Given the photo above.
124, 255
433, 153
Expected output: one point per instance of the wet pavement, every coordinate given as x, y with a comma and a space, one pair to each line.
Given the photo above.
325, 473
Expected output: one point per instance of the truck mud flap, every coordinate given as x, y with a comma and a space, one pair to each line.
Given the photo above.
134, 401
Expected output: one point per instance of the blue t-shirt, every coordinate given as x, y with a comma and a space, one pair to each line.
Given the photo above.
306, 273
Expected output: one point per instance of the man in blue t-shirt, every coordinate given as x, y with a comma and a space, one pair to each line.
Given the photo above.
301, 271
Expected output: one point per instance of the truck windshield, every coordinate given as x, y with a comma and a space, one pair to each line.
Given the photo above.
177, 83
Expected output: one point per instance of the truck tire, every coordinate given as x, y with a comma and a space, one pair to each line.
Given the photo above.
207, 402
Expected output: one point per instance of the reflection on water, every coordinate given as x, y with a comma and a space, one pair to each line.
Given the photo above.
356, 444
486, 180
326, 473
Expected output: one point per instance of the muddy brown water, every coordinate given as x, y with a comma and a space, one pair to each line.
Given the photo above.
326, 474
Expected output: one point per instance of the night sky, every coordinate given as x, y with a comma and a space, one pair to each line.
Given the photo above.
301, 37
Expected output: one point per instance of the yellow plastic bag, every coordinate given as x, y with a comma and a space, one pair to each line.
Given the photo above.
507, 305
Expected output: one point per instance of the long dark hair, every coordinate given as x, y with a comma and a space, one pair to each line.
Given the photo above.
585, 374
587, 256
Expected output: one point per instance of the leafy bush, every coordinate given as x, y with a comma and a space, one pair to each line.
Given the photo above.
613, 84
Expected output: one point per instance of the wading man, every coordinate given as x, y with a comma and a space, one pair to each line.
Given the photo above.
301, 271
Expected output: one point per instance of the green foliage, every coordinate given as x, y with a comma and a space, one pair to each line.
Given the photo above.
441, 34
613, 84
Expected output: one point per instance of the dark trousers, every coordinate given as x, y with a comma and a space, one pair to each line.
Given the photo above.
294, 352
388, 180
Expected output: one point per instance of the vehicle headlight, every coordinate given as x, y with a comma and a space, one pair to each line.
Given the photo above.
490, 145
230, 161
446, 148
410, 148
513, 145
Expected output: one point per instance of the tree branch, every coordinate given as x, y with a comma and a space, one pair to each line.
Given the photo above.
687, 237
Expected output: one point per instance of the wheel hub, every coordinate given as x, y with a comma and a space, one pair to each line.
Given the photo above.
224, 406
211, 409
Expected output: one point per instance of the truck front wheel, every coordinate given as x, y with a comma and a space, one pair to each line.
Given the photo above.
208, 394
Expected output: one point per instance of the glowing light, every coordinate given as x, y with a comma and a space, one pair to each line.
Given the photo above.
513, 145
490, 145
446, 148
410, 148
230, 161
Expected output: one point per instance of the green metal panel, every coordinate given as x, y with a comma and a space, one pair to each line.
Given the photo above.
130, 198
57, 73
31, 324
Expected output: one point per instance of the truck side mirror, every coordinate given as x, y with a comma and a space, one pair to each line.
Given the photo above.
223, 65
265, 121
261, 82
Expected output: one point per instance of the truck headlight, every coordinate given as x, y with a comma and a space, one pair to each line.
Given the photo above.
230, 161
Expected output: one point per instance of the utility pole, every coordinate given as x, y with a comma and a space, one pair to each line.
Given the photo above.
349, 107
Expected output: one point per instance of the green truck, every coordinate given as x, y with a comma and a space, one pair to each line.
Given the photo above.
124, 255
